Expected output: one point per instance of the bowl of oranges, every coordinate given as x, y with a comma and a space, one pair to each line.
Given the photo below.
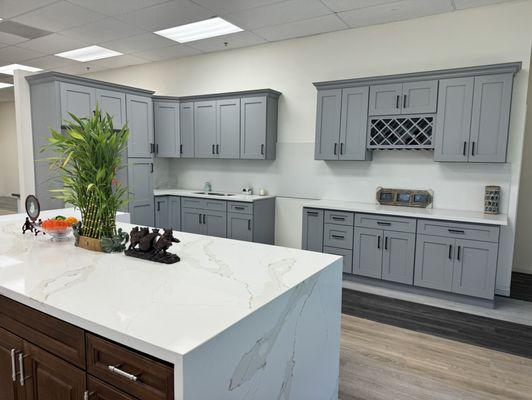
59, 228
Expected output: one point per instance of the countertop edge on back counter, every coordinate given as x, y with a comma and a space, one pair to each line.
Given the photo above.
249, 198
476, 217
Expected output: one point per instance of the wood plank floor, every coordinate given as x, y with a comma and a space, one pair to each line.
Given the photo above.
521, 286
385, 362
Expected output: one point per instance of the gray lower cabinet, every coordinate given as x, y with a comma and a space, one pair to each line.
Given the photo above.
161, 211
434, 262
174, 213
312, 230
367, 252
398, 257
347, 257
140, 122
186, 129
141, 202
215, 223
192, 220
167, 140
240, 226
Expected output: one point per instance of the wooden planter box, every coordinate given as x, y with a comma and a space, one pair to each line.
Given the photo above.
89, 243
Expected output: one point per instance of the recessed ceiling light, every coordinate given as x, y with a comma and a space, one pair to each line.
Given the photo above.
200, 30
4, 85
9, 69
89, 53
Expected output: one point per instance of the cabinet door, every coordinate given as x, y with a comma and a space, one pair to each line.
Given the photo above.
140, 123
76, 99
167, 142
114, 104
491, 117
434, 262
10, 347
186, 129
453, 121
228, 115
354, 124
141, 204
398, 257
215, 223
49, 377
312, 230
240, 226
205, 129
174, 212
367, 252
253, 128
385, 99
419, 97
102, 391
191, 221
162, 219
328, 115
475, 268
346, 254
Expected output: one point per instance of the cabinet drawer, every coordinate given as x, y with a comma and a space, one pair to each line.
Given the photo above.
215, 205
340, 236
191, 202
55, 336
129, 371
487, 233
102, 391
338, 217
347, 257
243, 208
377, 221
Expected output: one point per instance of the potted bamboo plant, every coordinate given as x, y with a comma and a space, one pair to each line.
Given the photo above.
87, 156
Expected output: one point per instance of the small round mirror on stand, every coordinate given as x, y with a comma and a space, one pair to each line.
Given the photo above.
33, 208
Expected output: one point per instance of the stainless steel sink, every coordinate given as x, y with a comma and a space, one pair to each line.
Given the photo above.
215, 193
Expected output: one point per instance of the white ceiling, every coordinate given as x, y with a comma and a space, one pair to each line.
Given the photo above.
127, 25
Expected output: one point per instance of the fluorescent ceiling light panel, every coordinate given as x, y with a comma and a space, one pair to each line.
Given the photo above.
9, 69
90, 53
4, 85
199, 30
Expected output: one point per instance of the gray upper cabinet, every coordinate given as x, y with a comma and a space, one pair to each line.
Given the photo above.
141, 201
419, 97
76, 99
167, 141
434, 262
354, 121
114, 104
347, 257
186, 129
453, 121
253, 128
367, 254
140, 121
228, 128
240, 226
475, 268
205, 135
398, 257
312, 230
328, 115
385, 99
491, 118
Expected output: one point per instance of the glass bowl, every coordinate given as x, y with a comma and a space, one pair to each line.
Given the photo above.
59, 235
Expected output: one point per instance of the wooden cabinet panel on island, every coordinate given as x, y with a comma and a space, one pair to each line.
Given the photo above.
10, 347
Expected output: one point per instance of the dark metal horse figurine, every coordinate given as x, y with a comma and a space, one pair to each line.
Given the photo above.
152, 246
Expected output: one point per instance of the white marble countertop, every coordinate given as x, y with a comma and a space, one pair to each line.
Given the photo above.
162, 310
192, 193
477, 217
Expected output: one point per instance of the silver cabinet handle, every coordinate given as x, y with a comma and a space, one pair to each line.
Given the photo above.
13, 365
21, 368
87, 395
124, 374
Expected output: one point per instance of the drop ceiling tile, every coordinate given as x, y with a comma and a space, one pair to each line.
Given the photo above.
167, 53
50, 62
278, 13
54, 43
58, 16
138, 43
397, 11
119, 62
234, 40
231, 6
11, 8
102, 31
344, 5
80, 68
8, 38
115, 7
461, 4
14, 54
313, 26
166, 15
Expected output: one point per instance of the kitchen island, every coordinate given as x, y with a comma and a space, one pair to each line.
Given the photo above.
231, 320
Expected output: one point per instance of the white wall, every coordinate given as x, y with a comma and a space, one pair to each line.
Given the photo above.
9, 182
495, 34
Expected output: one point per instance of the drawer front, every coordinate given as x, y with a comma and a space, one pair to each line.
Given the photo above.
129, 371
55, 336
338, 217
347, 257
377, 221
215, 205
340, 236
102, 391
487, 233
192, 202
243, 208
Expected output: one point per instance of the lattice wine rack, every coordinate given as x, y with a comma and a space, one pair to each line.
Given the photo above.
401, 132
